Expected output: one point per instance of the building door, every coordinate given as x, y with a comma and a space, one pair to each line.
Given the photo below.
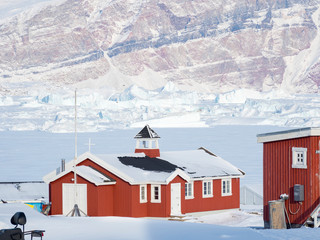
69, 198
175, 199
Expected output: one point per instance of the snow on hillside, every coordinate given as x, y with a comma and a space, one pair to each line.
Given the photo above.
9, 9
306, 59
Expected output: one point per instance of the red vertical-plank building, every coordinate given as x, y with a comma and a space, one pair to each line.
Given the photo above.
146, 183
291, 167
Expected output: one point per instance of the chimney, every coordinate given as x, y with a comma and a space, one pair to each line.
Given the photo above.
63, 165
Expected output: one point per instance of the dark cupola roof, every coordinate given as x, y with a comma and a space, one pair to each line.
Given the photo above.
147, 132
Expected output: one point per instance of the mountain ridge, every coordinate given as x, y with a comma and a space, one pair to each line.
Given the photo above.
203, 46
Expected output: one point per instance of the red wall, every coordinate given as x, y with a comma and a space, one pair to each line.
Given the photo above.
279, 176
121, 194
217, 202
149, 209
103, 200
149, 152
109, 200
198, 204
99, 198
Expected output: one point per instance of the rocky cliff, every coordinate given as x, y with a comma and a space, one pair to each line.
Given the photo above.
201, 45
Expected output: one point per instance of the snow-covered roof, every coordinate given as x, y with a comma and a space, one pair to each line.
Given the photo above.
88, 173
147, 132
93, 175
200, 164
256, 188
25, 191
288, 134
190, 165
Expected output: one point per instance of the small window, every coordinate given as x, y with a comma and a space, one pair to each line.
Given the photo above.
143, 193
155, 193
144, 144
226, 187
188, 191
207, 189
299, 157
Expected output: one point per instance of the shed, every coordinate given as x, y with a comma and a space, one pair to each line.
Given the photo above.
291, 169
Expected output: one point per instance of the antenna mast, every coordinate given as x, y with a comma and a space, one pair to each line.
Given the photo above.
75, 140
75, 212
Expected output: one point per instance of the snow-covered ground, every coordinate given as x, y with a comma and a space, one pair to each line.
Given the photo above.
226, 225
59, 227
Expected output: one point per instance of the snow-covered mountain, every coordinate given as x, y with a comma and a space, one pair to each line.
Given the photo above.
207, 46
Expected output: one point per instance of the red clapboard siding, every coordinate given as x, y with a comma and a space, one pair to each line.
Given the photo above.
99, 200
149, 152
279, 177
122, 191
217, 202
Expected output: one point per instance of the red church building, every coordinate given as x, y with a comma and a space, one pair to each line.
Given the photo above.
291, 168
146, 183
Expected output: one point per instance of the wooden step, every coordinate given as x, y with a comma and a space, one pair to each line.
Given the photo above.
314, 216
309, 223
180, 218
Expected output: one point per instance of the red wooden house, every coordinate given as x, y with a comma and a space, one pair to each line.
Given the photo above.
146, 183
291, 166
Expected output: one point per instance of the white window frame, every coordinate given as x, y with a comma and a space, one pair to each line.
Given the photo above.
153, 188
188, 192
209, 191
226, 181
299, 157
143, 195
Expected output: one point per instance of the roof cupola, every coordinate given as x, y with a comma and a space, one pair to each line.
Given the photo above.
147, 142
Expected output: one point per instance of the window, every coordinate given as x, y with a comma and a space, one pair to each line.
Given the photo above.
226, 187
299, 157
143, 193
188, 190
144, 144
207, 189
155, 193
147, 144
